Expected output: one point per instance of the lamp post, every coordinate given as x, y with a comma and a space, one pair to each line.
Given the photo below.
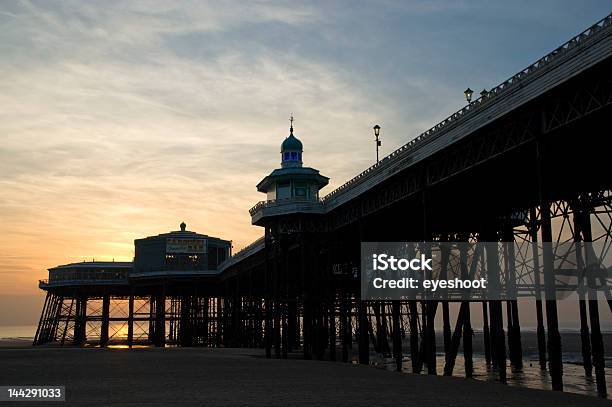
378, 143
468, 95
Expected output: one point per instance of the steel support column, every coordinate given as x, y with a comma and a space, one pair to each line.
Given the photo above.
541, 334
130, 334
555, 362
105, 320
596, 337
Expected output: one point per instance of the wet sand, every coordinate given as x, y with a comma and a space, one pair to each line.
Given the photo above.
173, 376
570, 342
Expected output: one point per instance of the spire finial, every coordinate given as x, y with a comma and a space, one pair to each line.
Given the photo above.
291, 127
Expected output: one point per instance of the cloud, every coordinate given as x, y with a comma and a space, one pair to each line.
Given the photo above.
120, 119
109, 133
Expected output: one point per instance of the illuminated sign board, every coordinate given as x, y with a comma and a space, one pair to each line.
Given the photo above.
177, 245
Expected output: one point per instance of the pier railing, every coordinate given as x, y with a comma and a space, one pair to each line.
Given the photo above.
81, 281
529, 73
243, 253
284, 206
286, 201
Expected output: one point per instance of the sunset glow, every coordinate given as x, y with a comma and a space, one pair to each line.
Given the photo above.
120, 121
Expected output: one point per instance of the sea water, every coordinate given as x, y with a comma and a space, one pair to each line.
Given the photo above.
530, 376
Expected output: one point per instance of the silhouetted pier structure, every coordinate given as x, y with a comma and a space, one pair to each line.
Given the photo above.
528, 161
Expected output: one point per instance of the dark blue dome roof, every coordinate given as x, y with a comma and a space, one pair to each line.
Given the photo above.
291, 143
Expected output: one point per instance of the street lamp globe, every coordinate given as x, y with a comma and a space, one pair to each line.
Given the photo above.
468, 94
377, 130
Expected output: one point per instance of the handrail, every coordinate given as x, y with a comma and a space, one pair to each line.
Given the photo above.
240, 253
73, 281
249, 246
475, 105
273, 202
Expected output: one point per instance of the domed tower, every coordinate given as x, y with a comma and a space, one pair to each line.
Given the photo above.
291, 150
292, 188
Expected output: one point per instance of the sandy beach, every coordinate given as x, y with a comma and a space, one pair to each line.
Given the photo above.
529, 377
189, 376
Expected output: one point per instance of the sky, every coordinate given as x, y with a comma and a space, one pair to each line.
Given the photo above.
119, 120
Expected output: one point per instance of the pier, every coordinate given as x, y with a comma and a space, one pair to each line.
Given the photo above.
527, 162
